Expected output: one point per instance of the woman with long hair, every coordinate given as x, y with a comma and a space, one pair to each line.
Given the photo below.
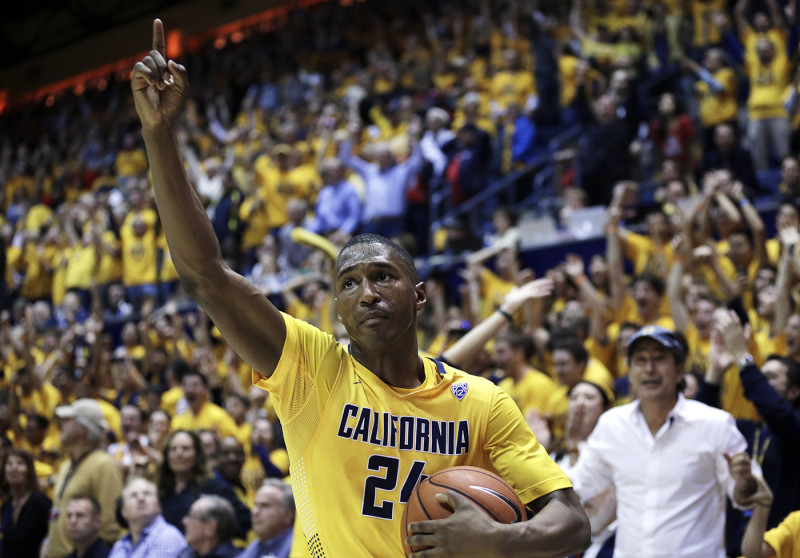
184, 477
26, 509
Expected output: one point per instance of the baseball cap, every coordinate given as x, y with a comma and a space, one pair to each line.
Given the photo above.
664, 337
88, 409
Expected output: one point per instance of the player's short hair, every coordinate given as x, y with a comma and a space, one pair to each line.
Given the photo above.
360, 239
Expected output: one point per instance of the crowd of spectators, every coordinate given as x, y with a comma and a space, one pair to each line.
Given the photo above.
122, 404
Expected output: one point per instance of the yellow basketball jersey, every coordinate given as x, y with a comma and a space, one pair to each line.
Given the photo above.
357, 446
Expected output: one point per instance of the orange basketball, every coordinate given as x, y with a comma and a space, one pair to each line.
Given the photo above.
485, 489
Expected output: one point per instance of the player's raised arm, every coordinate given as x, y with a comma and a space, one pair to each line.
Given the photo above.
247, 320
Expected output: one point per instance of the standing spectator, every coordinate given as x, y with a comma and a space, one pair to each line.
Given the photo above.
385, 182
183, 477
768, 124
25, 510
717, 89
139, 244
273, 518
210, 525
293, 255
774, 388
88, 471
603, 158
338, 208
149, 536
671, 460
84, 520
135, 442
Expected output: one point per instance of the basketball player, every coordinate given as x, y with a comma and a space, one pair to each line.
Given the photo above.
362, 423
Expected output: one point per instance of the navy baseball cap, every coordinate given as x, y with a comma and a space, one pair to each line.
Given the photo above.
664, 337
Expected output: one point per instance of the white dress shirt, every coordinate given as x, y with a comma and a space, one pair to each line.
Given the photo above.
670, 487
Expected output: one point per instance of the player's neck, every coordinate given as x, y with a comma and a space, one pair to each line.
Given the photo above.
402, 369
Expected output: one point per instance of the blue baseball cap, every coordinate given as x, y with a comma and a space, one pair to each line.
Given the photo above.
664, 337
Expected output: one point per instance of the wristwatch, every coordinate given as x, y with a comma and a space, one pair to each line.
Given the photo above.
745, 360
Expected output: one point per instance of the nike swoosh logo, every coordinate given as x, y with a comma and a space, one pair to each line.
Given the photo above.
358, 382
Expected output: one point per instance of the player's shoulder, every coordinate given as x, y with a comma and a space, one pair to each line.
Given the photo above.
455, 376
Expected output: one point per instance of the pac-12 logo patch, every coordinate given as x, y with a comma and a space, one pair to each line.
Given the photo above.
460, 390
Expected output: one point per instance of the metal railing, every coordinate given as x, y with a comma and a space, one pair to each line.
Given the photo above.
506, 190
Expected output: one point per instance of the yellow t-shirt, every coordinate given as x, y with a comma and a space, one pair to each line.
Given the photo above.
385, 438
512, 87
785, 538
646, 256
81, 267
37, 216
42, 402
139, 252
706, 32
768, 86
718, 107
110, 266
131, 163
168, 273
532, 392
210, 417
170, 398
38, 279
493, 291
277, 188
699, 349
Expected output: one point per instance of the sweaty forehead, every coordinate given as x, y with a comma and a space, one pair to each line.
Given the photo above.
369, 254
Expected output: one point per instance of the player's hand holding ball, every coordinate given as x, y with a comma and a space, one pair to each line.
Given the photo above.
459, 512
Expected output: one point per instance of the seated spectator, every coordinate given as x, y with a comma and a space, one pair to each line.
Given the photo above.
84, 519
210, 526
148, 534
184, 477
135, 442
25, 510
202, 413
273, 518
672, 133
727, 154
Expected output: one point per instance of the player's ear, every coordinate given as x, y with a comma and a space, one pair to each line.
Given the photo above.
422, 295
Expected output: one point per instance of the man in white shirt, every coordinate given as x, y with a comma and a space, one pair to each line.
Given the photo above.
670, 460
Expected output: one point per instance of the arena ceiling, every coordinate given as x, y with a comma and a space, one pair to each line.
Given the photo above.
30, 28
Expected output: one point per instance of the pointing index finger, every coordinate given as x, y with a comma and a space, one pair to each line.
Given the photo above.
158, 37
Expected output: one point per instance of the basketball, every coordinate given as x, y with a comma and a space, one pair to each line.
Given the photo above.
485, 489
